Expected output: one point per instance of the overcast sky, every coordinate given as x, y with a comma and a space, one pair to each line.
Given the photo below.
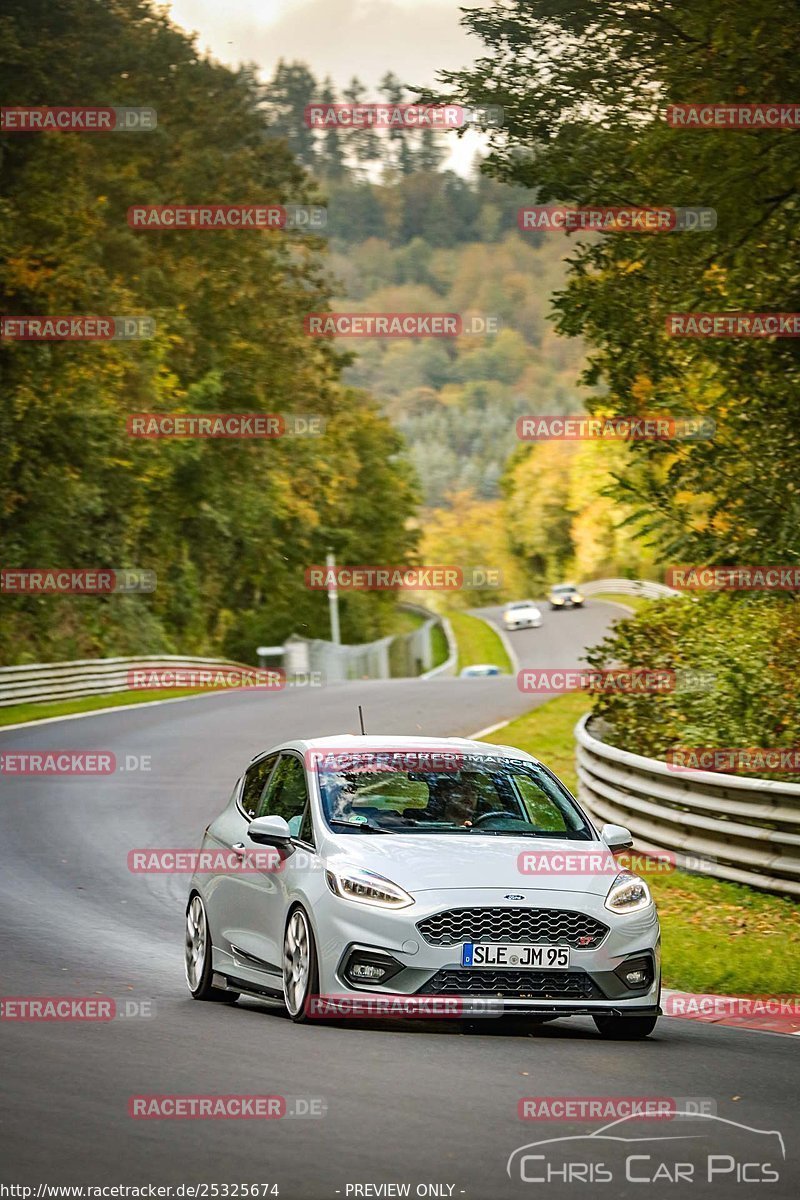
343, 38
340, 38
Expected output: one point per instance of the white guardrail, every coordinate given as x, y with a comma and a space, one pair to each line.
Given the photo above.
629, 587
406, 654
40, 682
741, 829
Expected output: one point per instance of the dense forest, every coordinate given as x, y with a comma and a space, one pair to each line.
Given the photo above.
586, 125
420, 456
229, 526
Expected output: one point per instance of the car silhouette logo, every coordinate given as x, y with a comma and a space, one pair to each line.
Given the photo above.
598, 1136
513, 896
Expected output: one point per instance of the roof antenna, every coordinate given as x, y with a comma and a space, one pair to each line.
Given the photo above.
361, 719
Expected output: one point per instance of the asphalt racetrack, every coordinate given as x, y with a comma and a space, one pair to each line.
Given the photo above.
423, 1104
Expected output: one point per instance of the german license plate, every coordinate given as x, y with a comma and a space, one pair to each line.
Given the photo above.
514, 956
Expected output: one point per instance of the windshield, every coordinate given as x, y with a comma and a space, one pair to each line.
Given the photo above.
499, 797
564, 589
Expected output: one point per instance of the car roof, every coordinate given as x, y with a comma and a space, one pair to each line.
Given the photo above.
354, 742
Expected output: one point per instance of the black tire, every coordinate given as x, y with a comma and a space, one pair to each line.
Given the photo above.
199, 984
300, 1011
625, 1029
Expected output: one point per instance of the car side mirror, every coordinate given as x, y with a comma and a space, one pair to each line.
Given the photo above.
617, 837
270, 831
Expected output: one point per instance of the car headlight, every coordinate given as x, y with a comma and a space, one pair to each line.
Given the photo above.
557, 600
578, 598
628, 893
365, 887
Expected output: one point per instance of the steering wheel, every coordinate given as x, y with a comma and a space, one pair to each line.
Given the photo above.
508, 816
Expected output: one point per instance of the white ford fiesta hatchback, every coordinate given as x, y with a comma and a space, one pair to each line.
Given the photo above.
420, 868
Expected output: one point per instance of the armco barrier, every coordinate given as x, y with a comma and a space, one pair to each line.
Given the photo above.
748, 829
401, 654
42, 682
629, 587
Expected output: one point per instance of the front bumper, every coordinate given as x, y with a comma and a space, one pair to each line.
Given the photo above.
590, 985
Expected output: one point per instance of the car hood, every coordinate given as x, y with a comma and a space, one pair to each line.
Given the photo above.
422, 862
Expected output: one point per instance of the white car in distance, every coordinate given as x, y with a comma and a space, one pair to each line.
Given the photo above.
522, 614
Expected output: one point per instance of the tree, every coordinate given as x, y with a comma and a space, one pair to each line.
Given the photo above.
285, 99
584, 85
228, 526
331, 163
472, 533
399, 156
363, 144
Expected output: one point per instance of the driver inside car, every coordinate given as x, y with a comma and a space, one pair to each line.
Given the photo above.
452, 800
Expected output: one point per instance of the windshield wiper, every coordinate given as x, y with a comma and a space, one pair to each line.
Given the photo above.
531, 833
365, 825
568, 836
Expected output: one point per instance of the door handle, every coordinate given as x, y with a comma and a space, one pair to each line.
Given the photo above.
239, 848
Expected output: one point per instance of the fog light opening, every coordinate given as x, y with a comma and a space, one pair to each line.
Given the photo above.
637, 973
364, 967
636, 978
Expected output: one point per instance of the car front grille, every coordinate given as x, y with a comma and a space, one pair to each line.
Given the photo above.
523, 985
546, 925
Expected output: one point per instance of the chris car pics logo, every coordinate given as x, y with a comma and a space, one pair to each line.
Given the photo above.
700, 1147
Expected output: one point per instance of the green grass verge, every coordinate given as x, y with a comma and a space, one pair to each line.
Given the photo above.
634, 602
716, 936
16, 713
404, 621
439, 645
477, 642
